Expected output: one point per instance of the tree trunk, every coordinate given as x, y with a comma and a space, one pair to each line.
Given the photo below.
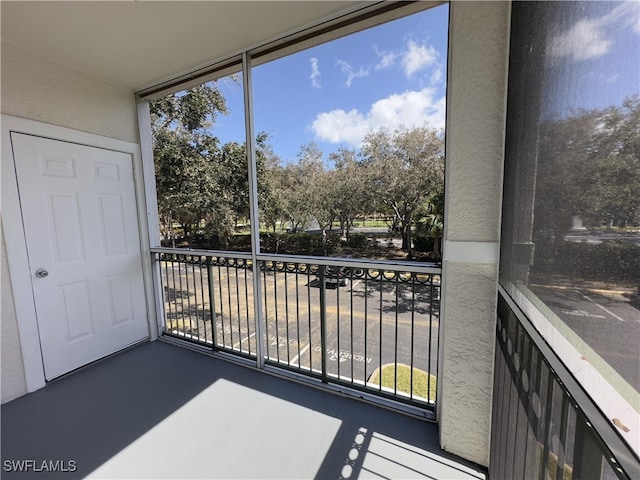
406, 238
187, 233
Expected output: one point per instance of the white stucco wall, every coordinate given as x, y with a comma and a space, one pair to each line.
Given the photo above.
13, 381
37, 88
476, 98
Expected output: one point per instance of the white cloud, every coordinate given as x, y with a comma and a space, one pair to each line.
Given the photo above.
612, 78
437, 75
627, 14
418, 57
315, 73
409, 109
339, 126
590, 38
583, 41
347, 70
415, 57
387, 59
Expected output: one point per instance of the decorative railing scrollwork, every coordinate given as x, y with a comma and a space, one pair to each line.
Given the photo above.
353, 273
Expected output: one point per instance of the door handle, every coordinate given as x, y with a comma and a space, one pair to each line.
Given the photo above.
41, 273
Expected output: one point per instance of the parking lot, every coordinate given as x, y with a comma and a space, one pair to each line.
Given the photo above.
605, 319
368, 322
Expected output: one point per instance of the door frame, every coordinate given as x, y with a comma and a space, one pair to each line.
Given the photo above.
15, 237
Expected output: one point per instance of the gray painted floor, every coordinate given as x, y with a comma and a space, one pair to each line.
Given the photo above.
161, 411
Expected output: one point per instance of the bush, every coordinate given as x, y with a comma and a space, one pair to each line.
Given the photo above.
422, 244
301, 243
612, 260
357, 240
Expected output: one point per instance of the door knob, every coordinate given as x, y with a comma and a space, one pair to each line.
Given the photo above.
41, 273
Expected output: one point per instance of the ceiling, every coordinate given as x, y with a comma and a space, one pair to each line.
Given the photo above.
136, 44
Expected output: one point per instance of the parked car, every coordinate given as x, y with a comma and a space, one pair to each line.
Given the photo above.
336, 276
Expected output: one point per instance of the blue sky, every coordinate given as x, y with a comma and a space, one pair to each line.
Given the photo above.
333, 94
394, 74
590, 56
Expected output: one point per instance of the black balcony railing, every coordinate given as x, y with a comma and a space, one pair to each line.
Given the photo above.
207, 300
540, 430
368, 326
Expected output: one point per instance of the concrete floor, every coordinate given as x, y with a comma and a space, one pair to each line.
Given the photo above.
161, 411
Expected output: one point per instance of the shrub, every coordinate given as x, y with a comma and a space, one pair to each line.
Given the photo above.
357, 240
301, 243
612, 260
422, 243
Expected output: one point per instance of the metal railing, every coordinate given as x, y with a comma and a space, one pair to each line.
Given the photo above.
544, 426
369, 326
207, 300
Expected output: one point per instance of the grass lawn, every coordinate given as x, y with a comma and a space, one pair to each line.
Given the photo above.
420, 381
376, 222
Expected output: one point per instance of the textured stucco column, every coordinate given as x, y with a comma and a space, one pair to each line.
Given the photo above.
478, 56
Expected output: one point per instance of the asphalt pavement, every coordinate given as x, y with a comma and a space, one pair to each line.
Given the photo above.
366, 324
605, 320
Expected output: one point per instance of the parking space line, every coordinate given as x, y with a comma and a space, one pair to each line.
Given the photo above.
244, 340
600, 306
294, 360
569, 287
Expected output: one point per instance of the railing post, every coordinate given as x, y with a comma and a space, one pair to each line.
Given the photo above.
159, 297
587, 457
212, 303
323, 323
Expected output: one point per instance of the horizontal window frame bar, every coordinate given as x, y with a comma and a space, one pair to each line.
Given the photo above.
197, 77
342, 24
338, 27
350, 262
206, 253
289, 374
312, 260
421, 413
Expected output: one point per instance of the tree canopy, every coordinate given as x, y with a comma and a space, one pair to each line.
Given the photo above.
404, 167
203, 185
589, 166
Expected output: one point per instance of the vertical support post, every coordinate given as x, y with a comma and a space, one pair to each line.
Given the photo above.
547, 425
323, 322
587, 457
158, 285
149, 224
562, 448
212, 303
253, 208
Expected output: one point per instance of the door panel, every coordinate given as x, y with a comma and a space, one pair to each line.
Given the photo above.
79, 213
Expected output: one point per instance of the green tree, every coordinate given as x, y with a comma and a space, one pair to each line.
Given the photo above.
348, 189
615, 166
184, 155
430, 220
303, 197
404, 167
233, 178
588, 166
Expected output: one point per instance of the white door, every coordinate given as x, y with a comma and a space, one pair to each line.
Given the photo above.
79, 213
